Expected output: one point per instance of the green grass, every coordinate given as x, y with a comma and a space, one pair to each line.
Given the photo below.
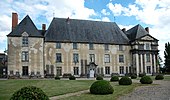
50, 87
118, 91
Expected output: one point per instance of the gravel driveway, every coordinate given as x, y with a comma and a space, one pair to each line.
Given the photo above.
156, 92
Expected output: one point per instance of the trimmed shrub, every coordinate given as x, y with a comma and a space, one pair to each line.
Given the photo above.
142, 74
146, 80
125, 81
29, 93
133, 76
114, 79
72, 77
99, 78
159, 77
101, 87
57, 78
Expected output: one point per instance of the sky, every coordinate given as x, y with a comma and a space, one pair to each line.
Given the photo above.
154, 14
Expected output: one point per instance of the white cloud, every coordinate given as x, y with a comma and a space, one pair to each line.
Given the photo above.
104, 12
106, 19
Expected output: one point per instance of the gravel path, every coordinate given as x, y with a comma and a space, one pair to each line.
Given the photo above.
156, 92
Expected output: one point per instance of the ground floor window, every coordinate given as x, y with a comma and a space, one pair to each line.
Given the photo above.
107, 70
59, 71
49, 69
126, 69
25, 70
121, 69
76, 70
149, 69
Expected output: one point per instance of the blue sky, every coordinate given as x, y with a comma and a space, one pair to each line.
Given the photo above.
154, 14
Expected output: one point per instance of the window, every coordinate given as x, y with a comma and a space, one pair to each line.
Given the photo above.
74, 45
11, 72
147, 57
25, 41
25, 70
25, 56
47, 69
92, 58
106, 47
147, 46
58, 57
106, 58
120, 48
59, 71
52, 69
75, 58
149, 69
91, 46
76, 70
107, 70
121, 59
121, 69
58, 45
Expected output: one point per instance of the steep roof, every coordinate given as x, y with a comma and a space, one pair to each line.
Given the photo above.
26, 25
73, 30
136, 32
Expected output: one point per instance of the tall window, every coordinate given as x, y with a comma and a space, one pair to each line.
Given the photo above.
121, 69
92, 58
59, 71
25, 56
106, 46
25, 41
58, 45
74, 45
75, 58
91, 47
76, 70
107, 70
149, 69
120, 48
147, 57
121, 59
58, 57
106, 58
147, 46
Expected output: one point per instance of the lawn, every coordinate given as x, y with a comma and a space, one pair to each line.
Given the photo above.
50, 87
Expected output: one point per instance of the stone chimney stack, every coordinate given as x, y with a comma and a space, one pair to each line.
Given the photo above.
124, 29
43, 27
147, 29
14, 20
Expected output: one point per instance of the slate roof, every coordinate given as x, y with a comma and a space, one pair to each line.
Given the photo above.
26, 25
136, 32
73, 30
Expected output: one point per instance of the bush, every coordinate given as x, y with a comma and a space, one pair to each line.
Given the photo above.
142, 74
133, 76
114, 78
57, 78
72, 77
29, 93
125, 81
146, 80
101, 87
159, 77
99, 78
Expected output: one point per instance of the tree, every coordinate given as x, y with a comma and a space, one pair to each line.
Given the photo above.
167, 57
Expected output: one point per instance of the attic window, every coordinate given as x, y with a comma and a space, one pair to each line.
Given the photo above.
25, 41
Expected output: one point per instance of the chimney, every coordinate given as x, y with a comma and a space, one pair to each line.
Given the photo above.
124, 29
68, 20
14, 20
147, 29
43, 27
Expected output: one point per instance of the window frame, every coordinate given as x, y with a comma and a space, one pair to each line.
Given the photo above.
121, 70
107, 70
106, 47
75, 57
25, 56
58, 45
76, 70
59, 71
92, 57
120, 47
91, 46
121, 58
148, 58
75, 46
25, 41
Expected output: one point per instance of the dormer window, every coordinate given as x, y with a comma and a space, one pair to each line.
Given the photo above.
147, 46
106, 46
91, 47
58, 45
25, 41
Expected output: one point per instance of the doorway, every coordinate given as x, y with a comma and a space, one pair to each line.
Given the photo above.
25, 70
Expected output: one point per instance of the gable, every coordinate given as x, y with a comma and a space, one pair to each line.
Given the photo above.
147, 38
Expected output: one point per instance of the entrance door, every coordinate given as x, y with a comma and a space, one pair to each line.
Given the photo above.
91, 72
25, 70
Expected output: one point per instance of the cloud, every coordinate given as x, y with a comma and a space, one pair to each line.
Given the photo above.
104, 12
106, 19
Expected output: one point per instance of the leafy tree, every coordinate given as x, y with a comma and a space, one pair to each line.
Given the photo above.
167, 57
